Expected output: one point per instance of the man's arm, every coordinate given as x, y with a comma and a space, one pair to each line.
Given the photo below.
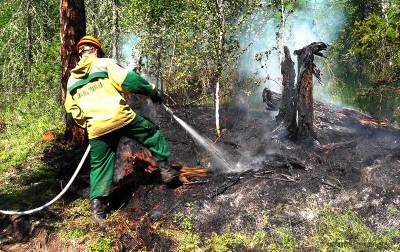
129, 80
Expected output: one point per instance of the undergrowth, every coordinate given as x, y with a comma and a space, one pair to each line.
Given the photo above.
333, 230
24, 119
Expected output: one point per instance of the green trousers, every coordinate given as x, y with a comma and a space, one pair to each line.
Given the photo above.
103, 152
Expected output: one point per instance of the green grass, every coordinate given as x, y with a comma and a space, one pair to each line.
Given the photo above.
23, 171
26, 120
333, 230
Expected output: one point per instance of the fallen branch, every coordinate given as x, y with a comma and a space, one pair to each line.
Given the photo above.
197, 182
233, 181
331, 184
263, 174
333, 146
289, 178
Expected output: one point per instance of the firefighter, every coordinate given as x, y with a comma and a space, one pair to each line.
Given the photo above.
95, 103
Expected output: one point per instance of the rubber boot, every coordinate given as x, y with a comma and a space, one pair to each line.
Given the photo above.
168, 174
99, 209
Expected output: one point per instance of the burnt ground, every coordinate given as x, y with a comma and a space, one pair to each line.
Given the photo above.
354, 163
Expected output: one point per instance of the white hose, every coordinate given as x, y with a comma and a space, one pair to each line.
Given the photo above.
55, 198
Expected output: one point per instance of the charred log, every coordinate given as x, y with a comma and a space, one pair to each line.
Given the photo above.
270, 99
288, 107
267, 99
306, 69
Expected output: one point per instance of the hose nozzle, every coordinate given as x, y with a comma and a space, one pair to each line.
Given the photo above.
168, 110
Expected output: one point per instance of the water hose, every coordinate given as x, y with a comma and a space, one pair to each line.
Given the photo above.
55, 198
72, 179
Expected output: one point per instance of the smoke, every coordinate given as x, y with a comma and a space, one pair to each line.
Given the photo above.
316, 20
129, 56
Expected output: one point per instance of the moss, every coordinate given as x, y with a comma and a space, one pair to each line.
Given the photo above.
102, 244
345, 231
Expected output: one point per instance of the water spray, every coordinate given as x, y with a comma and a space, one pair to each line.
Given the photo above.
204, 142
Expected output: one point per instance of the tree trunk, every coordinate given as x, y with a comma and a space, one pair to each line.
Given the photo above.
305, 105
220, 4
46, 23
72, 28
115, 30
385, 7
217, 125
306, 69
29, 55
94, 17
282, 35
288, 107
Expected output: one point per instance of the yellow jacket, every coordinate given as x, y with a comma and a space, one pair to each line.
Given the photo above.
94, 97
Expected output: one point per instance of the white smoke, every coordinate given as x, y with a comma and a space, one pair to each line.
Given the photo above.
129, 56
314, 21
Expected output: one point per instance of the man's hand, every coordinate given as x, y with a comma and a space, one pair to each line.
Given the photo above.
156, 97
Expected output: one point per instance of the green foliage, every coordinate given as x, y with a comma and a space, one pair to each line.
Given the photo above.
190, 240
73, 235
333, 230
366, 58
378, 43
25, 120
17, 74
181, 39
345, 231
102, 245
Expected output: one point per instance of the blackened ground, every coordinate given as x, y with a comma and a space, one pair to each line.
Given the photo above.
354, 163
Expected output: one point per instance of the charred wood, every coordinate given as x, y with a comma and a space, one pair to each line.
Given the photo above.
232, 181
306, 70
288, 107
270, 99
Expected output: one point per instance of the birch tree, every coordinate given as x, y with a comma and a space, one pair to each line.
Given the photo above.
115, 30
29, 56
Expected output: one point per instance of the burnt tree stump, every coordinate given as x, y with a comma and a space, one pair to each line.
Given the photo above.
288, 107
306, 70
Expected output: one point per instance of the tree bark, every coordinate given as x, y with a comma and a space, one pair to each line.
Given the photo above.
94, 17
220, 4
72, 28
288, 107
282, 34
115, 30
306, 69
46, 24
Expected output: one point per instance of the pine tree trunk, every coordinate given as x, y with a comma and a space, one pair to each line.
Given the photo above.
115, 30
72, 28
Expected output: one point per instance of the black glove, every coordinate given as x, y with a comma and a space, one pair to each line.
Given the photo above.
156, 97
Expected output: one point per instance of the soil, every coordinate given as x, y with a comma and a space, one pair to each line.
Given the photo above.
354, 162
